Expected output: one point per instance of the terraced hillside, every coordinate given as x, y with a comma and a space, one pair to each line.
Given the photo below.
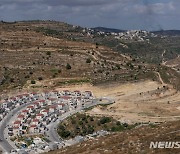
147, 46
33, 55
141, 73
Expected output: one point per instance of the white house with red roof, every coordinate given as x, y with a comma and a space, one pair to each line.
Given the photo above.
77, 93
66, 99
51, 101
66, 92
45, 112
25, 112
13, 99
52, 108
26, 95
20, 117
19, 97
35, 121
30, 108
42, 103
33, 94
33, 129
17, 123
60, 106
46, 122
39, 116
36, 104
55, 93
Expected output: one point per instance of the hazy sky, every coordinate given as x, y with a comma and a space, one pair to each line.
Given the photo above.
122, 14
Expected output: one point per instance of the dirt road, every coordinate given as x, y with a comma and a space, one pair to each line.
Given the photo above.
136, 102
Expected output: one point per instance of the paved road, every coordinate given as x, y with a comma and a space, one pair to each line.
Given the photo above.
52, 133
6, 144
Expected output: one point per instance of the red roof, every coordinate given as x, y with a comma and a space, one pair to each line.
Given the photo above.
33, 93
52, 99
65, 90
25, 94
46, 92
35, 120
30, 107
42, 101
45, 111
13, 98
20, 96
55, 91
20, 116
36, 103
77, 91
53, 106
15, 127
25, 111
40, 115
17, 122
88, 92
61, 104
79, 98
65, 97
33, 126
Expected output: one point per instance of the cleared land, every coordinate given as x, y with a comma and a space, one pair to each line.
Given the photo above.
136, 102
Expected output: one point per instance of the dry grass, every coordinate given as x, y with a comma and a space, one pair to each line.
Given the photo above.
130, 142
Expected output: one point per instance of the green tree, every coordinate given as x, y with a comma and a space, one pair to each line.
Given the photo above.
48, 53
33, 82
88, 60
104, 120
68, 66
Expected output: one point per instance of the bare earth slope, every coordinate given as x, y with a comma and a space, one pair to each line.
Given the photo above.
28, 54
135, 102
136, 141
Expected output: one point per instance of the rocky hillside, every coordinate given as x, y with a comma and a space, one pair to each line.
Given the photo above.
45, 53
132, 141
40, 54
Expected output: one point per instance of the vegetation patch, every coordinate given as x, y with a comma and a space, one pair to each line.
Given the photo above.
82, 124
74, 81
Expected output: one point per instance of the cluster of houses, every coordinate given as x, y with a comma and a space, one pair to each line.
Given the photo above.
42, 109
40, 146
11, 103
138, 35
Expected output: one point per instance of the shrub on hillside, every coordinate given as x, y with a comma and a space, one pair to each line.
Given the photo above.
68, 66
33, 82
88, 60
104, 120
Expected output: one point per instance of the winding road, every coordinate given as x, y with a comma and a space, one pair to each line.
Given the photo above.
52, 133
7, 145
